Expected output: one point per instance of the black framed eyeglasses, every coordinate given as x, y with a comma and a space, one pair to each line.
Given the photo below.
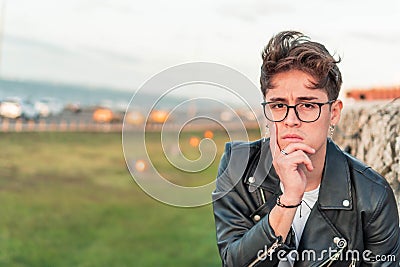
305, 111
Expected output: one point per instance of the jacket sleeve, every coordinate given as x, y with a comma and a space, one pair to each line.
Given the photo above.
241, 242
382, 244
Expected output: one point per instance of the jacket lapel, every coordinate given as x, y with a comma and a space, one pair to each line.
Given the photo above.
264, 174
335, 189
321, 232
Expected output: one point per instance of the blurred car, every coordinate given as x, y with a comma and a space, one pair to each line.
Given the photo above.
106, 115
74, 107
226, 116
15, 107
49, 107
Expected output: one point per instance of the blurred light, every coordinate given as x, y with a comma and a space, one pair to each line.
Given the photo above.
134, 117
103, 115
194, 141
208, 134
140, 165
158, 116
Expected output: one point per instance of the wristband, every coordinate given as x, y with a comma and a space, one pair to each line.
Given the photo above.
278, 202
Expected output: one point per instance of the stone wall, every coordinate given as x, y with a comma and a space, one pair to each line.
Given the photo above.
371, 132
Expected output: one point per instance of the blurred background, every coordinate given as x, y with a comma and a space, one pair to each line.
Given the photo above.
68, 70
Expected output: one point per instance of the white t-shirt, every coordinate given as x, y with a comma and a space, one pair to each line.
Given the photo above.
299, 222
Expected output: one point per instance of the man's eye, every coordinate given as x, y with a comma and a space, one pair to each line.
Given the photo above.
277, 106
308, 106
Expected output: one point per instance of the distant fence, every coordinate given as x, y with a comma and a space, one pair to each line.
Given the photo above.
59, 126
7, 125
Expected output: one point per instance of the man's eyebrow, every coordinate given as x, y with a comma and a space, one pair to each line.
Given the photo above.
306, 98
301, 98
277, 99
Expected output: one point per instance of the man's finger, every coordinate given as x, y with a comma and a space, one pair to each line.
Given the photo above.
274, 146
292, 147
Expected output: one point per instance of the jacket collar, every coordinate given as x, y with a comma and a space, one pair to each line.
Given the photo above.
335, 188
264, 175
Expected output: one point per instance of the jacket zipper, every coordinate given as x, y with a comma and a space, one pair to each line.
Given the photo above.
333, 258
262, 196
266, 253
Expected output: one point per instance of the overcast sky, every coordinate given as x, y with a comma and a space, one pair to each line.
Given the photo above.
122, 43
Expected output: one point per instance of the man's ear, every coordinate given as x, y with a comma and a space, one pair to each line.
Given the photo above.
336, 110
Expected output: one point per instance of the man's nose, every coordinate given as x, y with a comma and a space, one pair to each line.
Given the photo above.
292, 119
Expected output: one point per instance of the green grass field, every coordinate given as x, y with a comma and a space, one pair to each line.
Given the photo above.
67, 199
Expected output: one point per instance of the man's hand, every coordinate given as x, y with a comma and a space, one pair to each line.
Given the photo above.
291, 167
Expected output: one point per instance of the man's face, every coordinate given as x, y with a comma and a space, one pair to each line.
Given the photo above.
293, 87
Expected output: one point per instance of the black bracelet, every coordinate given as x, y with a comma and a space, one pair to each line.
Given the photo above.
278, 202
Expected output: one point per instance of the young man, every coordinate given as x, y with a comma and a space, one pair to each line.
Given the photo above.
296, 199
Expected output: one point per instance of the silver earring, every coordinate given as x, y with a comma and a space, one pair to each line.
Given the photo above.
266, 133
331, 130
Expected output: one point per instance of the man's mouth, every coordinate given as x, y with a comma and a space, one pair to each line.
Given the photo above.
292, 138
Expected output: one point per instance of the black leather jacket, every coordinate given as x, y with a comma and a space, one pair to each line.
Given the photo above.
356, 212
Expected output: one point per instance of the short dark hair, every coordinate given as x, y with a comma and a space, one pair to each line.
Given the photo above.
292, 50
